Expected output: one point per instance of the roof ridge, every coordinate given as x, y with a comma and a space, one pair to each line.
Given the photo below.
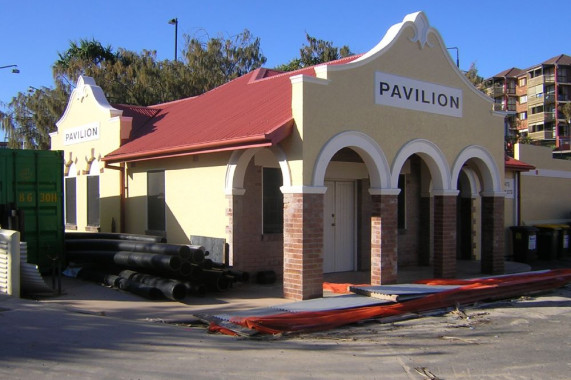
262, 71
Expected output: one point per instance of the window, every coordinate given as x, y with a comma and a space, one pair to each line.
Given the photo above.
93, 200
70, 201
93, 195
522, 81
402, 202
537, 128
156, 206
273, 200
523, 99
522, 115
535, 73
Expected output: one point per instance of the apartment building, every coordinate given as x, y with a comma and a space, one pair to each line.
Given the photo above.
533, 99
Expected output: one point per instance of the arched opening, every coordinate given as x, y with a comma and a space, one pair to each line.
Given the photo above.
353, 170
478, 180
414, 213
346, 227
468, 220
425, 205
254, 179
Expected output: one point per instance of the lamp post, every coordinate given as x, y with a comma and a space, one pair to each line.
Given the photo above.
174, 22
457, 55
15, 69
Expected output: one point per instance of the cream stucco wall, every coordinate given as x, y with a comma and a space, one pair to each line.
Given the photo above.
88, 108
343, 99
545, 191
194, 193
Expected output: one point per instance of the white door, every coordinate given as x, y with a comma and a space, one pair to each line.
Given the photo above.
339, 227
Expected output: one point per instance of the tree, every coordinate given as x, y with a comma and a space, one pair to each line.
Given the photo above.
32, 117
127, 77
566, 110
83, 58
472, 75
315, 52
220, 60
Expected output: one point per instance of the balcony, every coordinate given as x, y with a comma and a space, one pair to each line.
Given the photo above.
550, 78
549, 98
534, 81
549, 116
536, 118
542, 135
534, 100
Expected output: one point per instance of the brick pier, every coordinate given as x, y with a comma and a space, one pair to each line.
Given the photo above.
303, 246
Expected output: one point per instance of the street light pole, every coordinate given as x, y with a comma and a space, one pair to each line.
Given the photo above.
457, 55
174, 22
15, 69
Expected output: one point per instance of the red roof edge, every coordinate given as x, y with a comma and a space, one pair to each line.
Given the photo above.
276, 135
148, 156
516, 165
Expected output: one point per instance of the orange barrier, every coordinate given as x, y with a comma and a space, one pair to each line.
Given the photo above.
340, 288
472, 291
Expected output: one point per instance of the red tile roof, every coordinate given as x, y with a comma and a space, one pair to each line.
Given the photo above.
253, 110
139, 114
516, 165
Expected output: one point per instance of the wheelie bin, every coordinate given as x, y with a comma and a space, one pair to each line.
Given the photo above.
548, 241
524, 239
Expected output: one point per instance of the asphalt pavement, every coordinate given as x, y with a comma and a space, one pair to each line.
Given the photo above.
93, 332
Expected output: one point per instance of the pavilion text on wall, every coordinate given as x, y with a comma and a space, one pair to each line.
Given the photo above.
397, 91
81, 134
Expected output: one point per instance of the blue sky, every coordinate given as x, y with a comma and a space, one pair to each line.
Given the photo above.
33, 32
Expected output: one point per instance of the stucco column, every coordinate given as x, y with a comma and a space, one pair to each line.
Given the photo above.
445, 236
493, 240
303, 245
384, 239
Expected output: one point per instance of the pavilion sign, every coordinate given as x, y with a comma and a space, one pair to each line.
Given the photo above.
396, 91
81, 134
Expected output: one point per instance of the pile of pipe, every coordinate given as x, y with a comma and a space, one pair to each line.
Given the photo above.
148, 266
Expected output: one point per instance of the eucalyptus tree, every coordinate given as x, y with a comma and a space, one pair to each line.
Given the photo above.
216, 61
127, 77
316, 51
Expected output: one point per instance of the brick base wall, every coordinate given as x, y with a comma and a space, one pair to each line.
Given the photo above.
251, 250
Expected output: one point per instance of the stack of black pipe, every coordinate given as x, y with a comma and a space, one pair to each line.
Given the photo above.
147, 265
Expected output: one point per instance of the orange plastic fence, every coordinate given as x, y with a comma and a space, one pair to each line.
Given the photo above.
471, 291
340, 288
